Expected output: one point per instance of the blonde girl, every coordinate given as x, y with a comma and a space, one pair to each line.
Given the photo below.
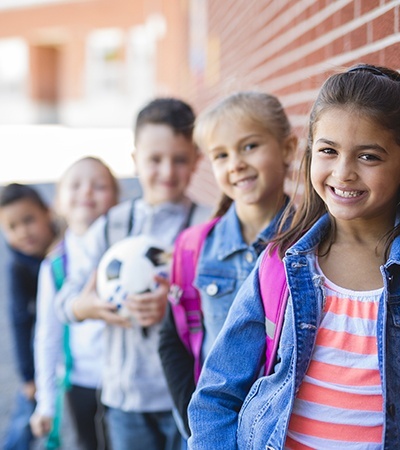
86, 191
249, 142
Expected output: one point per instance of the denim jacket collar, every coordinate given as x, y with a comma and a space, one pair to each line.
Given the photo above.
311, 238
316, 233
394, 256
230, 239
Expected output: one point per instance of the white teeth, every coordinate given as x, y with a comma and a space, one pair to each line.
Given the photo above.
243, 182
347, 194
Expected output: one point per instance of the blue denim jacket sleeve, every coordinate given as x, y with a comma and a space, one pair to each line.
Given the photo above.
229, 371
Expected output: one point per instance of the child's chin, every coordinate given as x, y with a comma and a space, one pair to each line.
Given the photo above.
170, 198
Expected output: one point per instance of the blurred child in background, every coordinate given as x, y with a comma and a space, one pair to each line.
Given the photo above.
27, 224
134, 389
86, 191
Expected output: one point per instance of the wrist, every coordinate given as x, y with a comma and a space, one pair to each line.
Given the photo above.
79, 310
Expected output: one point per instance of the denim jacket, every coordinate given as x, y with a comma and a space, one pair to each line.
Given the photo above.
225, 262
235, 408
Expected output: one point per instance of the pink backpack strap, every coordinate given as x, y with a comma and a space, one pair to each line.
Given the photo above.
274, 293
183, 296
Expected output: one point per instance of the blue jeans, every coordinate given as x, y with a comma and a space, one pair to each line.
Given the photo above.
143, 431
19, 435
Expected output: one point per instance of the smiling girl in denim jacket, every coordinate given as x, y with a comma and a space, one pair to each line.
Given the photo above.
336, 381
248, 139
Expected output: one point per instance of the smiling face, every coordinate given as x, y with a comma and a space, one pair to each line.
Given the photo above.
248, 162
355, 166
27, 227
164, 162
86, 191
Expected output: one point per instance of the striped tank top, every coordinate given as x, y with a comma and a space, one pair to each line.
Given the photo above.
339, 403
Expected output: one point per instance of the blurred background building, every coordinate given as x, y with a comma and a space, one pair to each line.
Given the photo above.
93, 63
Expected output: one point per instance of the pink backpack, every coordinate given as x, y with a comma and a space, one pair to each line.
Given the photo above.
185, 299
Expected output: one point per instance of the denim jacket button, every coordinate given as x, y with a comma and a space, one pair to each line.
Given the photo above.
212, 289
249, 257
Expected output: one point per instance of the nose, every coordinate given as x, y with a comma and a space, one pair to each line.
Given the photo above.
22, 231
236, 162
167, 168
86, 189
344, 170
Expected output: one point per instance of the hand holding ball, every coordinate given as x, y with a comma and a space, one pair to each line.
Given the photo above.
129, 267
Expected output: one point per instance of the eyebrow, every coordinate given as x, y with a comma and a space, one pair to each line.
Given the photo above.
357, 147
240, 141
215, 149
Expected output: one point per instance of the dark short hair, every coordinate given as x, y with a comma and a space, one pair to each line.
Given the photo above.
172, 112
15, 192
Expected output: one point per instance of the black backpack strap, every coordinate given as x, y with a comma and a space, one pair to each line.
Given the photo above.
117, 228
189, 216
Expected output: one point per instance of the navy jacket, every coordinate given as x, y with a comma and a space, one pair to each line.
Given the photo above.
21, 277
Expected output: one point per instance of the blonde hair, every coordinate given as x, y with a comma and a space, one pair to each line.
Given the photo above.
114, 181
260, 109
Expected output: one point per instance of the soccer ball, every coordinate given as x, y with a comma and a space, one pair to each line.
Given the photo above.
128, 267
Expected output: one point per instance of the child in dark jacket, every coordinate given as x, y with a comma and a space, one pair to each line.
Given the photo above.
28, 228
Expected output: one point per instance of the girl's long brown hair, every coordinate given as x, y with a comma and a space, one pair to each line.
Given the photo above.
371, 91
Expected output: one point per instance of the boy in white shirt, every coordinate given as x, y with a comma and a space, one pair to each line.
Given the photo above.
134, 388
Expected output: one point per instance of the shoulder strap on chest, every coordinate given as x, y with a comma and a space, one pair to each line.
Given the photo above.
119, 222
274, 294
58, 262
183, 296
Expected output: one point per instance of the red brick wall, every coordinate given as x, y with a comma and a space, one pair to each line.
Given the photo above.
288, 48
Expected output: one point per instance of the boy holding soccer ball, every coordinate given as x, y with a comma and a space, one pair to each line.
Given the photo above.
134, 388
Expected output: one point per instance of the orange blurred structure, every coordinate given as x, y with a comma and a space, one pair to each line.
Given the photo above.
95, 62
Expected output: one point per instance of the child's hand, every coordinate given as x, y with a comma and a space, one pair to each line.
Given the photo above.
29, 389
89, 306
149, 308
40, 425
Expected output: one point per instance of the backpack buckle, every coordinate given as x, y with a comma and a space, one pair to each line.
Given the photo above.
175, 294
195, 323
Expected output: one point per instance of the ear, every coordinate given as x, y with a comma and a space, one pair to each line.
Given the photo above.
289, 149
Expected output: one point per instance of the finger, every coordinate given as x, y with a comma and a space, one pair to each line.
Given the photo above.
107, 306
139, 306
161, 280
115, 319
